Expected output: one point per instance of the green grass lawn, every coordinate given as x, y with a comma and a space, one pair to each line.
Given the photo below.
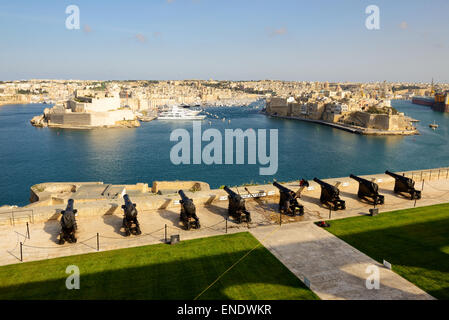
415, 241
160, 271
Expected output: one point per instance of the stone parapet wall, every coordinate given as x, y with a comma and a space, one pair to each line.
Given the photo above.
50, 209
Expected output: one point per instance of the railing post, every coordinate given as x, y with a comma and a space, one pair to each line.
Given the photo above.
226, 224
165, 233
21, 252
422, 188
28, 231
98, 241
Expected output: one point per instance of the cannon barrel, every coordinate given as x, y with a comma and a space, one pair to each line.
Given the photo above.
404, 179
368, 184
281, 187
324, 184
183, 195
127, 200
230, 192
358, 179
129, 207
69, 205
396, 176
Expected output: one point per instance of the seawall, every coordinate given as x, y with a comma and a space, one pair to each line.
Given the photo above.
108, 200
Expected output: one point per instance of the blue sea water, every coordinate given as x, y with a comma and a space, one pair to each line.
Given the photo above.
30, 155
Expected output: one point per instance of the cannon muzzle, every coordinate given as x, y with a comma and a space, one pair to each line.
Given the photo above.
69, 207
281, 187
394, 175
322, 183
129, 207
182, 195
230, 192
126, 198
358, 179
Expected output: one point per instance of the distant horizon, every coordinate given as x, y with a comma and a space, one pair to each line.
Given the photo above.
240, 80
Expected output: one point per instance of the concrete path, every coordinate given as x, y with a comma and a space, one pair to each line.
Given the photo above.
334, 268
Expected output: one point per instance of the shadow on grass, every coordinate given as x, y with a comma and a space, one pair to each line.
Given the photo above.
414, 249
163, 272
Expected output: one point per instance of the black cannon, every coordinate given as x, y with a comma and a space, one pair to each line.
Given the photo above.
236, 208
130, 222
404, 185
188, 212
368, 190
330, 195
288, 200
68, 224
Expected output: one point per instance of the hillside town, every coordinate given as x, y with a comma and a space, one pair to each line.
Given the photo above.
147, 94
356, 107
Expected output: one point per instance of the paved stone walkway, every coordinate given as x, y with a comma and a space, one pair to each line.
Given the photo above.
334, 268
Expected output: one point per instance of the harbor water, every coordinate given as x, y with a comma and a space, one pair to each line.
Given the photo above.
30, 155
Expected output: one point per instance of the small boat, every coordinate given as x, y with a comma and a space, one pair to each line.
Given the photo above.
433, 125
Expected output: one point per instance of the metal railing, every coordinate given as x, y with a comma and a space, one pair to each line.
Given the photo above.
17, 214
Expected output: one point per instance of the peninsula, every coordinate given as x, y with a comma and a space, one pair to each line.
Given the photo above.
345, 114
86, 112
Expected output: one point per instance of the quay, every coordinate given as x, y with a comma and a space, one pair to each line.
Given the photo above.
353, 129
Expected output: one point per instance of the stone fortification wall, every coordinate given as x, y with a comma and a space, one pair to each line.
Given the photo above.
69, 119
94, 119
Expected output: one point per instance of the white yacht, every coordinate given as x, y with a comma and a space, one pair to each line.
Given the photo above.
177, 113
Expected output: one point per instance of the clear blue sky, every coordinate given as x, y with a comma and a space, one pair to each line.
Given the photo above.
226, 39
